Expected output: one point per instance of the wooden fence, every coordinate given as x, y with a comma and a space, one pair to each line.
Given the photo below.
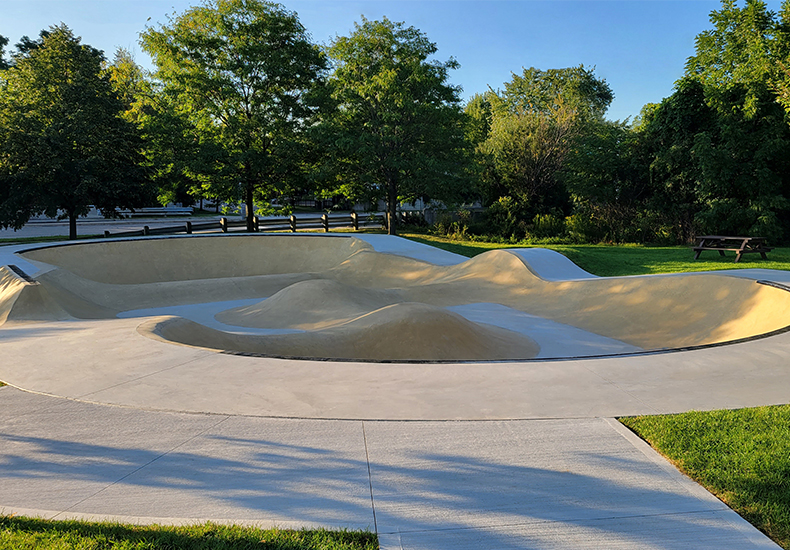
293, 224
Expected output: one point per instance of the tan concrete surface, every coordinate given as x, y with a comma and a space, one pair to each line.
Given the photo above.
350, 309
109, 362
347, 297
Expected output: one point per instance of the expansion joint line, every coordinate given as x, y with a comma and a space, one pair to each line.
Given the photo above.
370, 479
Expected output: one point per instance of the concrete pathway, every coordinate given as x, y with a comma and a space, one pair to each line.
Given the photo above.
581, 483
486, 455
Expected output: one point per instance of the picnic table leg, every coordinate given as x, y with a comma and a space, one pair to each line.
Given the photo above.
738, 257
764, 257
721, 253
696, 255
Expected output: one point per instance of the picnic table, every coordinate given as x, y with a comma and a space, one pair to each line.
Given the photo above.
739, 245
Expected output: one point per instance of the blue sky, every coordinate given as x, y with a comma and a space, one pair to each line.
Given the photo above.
639, 46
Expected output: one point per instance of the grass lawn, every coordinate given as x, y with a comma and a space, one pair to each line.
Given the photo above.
741, 456
19, 533
614, 260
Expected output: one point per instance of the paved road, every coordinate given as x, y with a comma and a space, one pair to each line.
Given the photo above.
491, 455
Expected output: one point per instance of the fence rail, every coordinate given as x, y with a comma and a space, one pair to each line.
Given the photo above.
292, 224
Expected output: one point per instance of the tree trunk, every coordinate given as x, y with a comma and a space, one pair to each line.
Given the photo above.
250, 224
392, 204
72, 226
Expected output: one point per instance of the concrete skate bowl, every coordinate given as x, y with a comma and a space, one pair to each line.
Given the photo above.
336, 298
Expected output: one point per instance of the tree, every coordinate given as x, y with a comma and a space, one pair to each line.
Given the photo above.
178, 166
399, 127
742, 156
535, 122
3, 44
669, 133
63, 145
478, 118
743, 53
527, 149
241, 73
556, 90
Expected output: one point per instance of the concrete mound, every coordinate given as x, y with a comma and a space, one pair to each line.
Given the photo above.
23, 299
403, 331
311, 305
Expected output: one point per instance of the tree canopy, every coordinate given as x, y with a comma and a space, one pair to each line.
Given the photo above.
240, 73
573, 89
398, 127
63, 145
530, 127
740, 148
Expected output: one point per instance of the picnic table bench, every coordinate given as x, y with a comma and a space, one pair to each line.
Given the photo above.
739, 245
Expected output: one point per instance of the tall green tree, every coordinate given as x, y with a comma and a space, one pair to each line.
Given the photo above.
526, 151
181, 167
534, 123
549, 92
479, 116
399, 128
669, 132
742, 55
63, 143
242, 73
742, 156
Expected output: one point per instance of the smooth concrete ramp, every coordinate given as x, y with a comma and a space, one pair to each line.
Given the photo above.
24, 299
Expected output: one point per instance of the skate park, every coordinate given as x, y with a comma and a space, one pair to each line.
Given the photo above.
372, 382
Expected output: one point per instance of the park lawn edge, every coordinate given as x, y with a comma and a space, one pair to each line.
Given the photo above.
608, 260
21, 533
741, 456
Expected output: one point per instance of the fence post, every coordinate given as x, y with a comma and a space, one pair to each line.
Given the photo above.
355, 221
256, 224
146, 231
293, 222
189, 228
223, 224
325, 221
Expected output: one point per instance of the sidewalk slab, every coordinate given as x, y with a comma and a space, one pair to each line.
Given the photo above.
538, 484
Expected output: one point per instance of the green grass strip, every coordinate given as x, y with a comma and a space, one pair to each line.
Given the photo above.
20, 533
741, 456
619, 260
